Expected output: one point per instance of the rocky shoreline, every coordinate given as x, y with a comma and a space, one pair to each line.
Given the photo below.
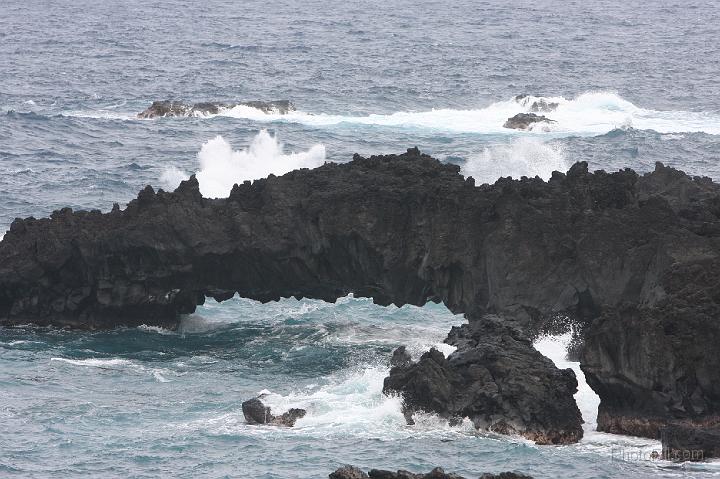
630, 260
351, 472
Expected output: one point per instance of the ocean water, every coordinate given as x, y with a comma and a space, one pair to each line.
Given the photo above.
636, 83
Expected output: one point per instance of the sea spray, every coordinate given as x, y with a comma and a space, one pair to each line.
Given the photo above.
555, 348
590, 113
221, 167
522, 157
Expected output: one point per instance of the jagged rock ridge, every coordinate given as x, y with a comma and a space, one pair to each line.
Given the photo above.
606, 250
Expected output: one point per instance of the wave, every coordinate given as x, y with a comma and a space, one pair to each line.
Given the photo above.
589, 114
120, 365
221, 166
96, 363
523, 157
593, 113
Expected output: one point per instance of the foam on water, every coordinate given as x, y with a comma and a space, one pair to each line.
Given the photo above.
593, 113
523, 157
221, 166
120, 365
95, 363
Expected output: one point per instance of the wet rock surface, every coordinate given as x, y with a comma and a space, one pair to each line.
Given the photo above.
170, 108
256, 412
524, 121
688, 442
497, 379
351, 472
630, 259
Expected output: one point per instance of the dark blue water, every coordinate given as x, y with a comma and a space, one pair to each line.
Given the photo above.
636, 82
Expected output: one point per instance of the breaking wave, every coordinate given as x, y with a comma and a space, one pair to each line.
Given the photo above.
593, 113
589, 114
523, 157
221, 166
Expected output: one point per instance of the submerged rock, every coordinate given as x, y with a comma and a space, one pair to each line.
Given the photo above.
351, 472
169, 108
256, 412
497, 379
523, 121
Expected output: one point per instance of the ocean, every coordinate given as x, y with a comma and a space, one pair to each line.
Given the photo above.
635, 82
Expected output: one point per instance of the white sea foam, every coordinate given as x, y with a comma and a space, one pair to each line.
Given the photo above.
592, 113
95, 363
122, 365
555, 348
221, 166
522, 157
351, 403
156, 329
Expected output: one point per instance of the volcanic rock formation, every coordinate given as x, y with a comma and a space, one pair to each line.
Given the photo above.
631, 261
169, 108
524, 121
351, 472
256, 412
497, 379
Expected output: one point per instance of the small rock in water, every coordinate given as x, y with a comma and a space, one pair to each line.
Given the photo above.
256, 412
523, 121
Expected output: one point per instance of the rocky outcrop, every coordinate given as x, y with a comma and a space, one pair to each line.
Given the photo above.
170, 108
681, 442
525, 121
351, 472
654, 364
497, 379
630, 259
256, 412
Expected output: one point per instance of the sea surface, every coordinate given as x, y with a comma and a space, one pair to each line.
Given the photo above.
636, 82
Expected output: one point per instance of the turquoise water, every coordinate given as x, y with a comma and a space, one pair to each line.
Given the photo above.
636, 84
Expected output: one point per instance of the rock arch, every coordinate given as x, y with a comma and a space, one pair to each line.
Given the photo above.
597, 247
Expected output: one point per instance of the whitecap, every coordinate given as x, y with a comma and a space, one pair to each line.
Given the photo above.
591, 113
96, 363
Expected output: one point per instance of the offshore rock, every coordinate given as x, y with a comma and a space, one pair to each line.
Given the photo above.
351, 472
523, 121
256, 412
632, 259
497, 379
169, 108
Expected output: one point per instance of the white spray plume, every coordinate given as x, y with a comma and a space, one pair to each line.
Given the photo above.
523, 157
221, 166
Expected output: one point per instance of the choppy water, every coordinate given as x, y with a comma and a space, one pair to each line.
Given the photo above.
636, 84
